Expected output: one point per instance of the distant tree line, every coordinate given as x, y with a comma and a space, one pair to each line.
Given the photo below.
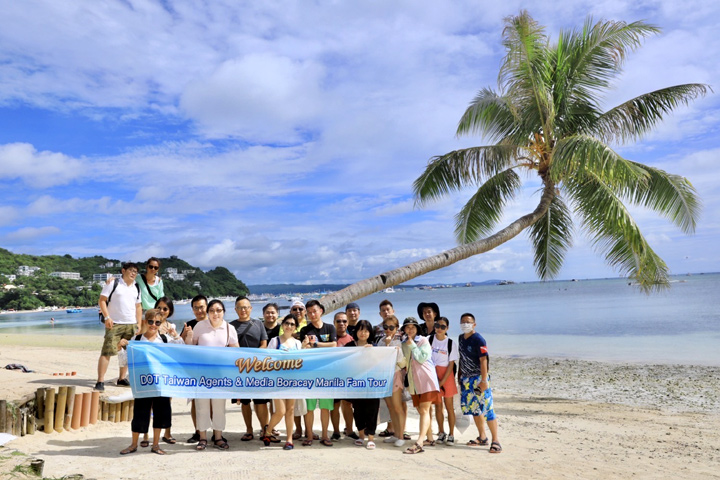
41, 290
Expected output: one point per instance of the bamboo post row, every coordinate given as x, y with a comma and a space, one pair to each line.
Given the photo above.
77, 411
49, 413
60, 409
86, 400
70, 407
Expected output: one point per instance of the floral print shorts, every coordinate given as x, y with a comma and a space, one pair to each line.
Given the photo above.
472, 401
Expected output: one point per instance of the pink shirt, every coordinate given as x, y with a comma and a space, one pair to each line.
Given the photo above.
341, 341
205, 335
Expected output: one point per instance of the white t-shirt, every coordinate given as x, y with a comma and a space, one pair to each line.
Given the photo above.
440, 356
122, 304
158, 339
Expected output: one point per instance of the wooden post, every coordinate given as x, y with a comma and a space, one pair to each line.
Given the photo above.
3, 416
15, 418
125, 410
118, 412
94, 405
77, 411
111, 412
86, 399
23, 421
105, 412
60, 409
40, 402
70, 407
49, 409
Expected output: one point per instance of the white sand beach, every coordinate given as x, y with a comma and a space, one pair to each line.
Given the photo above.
558, 419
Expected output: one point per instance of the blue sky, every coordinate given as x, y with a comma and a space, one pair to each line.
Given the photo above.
281, 139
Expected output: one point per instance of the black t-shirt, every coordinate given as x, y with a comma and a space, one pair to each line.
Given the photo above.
272, 332
192, 324
326, 333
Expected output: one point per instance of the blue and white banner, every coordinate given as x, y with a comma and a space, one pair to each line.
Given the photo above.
186, 371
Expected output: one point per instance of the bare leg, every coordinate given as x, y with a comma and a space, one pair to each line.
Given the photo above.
325, 422
289, 408
493, 426
335, 418
247, 416
479, 424
103, 363
451, 414
309, 419
261, 411
123, 373
424, 411
400, 413
347, 413
440, 417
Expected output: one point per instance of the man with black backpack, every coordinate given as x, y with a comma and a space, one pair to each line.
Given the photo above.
121, 311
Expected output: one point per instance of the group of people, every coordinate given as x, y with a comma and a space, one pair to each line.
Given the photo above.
425, 366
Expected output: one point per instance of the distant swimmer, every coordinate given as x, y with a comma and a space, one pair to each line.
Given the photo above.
52, 321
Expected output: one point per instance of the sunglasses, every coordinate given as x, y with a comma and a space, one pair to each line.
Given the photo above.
154, 322
290, 325
154, 267
164, 309
297, 309
389, 327
341, 321
440, 326
216, 310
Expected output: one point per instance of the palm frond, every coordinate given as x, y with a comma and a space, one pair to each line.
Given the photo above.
632, 119
615, 234
484, 209
489, 114
582, 155
461, 168
551, 237
670, 195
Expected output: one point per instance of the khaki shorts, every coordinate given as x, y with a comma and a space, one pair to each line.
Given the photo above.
113, 337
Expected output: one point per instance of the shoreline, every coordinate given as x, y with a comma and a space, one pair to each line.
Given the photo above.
566, 418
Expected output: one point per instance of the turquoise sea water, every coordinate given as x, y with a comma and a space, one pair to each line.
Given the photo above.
591, 319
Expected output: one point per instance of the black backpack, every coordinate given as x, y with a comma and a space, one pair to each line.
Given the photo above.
115, 284
162, 335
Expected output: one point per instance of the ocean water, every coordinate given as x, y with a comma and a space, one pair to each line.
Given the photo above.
605, 320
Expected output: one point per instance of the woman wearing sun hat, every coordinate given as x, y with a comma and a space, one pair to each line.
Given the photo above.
422, 378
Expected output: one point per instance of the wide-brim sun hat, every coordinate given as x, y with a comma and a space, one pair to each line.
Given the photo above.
423, 305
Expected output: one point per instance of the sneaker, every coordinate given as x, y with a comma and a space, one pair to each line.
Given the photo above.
391, 439
399, 442
335, 436
450, 441
99, 386
441, 437
123, 382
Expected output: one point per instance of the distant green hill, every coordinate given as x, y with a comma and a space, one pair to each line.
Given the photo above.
42, 290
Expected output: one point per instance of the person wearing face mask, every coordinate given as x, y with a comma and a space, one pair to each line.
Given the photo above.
475, 393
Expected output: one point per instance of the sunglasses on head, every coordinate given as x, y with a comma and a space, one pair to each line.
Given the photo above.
389, 327
154, 322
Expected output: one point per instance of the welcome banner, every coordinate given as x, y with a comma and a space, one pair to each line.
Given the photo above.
186, 371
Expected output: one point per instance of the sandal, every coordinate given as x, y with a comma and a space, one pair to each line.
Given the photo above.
431, 443
275, 432
128, 450
157, 449
202, 444
194, 439
495, 447
371, 445
247, 437
327, 442
307, 443
385, 433
335, 436
417, 448
288, 446
221, 444
145, 443
359, 442
170, 440
296, 436
478, 442
406, 436
268, 439
352, 435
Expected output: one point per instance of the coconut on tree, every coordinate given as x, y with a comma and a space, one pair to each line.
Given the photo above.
545, 118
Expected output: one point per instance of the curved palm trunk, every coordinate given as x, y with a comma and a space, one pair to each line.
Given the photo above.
374, 284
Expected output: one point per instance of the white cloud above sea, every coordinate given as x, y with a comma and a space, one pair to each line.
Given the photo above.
283, 141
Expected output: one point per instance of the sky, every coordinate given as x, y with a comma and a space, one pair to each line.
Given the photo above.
281, 139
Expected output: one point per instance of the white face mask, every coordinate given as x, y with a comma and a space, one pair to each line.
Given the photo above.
467, 327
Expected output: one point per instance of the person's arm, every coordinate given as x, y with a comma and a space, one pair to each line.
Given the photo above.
326, 344
483, 373
263, 344
102, 303
421, 352
448, 373
138, 313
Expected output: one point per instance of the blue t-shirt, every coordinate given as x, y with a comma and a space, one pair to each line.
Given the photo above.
471, 349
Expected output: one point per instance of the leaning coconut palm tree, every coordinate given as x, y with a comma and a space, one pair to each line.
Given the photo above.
545, 118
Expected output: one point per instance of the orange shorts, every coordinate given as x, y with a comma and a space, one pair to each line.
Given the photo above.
450, 388
432, 397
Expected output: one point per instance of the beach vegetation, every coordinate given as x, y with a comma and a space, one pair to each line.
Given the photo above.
546, 119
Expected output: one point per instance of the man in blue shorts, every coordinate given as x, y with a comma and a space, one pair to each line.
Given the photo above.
475, 393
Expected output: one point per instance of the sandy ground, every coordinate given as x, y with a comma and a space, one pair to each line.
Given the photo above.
558, 419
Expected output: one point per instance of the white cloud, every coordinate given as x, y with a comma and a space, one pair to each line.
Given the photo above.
31, 233
37, 169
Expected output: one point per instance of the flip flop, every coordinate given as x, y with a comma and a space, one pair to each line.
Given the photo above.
327, 442
495, 447
247, 437
170, 440
128, 450
288, 446
478, 442
296, 436
145, 443
307, 443
157, 450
